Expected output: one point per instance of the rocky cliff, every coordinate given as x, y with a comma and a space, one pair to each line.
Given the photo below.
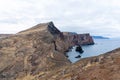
81, 39
38, 54
38, 49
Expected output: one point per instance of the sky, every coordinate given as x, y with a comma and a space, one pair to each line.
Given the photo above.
97, 17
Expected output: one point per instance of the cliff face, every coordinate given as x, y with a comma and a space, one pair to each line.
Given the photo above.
81, 39
34, 52
38, 54
29, 52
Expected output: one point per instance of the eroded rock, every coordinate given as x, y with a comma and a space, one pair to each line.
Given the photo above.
38, 53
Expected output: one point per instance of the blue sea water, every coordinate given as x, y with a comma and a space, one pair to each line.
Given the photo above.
101, 46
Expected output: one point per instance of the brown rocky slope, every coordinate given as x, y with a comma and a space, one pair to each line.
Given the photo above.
38, 54
102, 67
32, 51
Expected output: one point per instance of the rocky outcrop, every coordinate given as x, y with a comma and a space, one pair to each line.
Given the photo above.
36, 54
38, 49
79, 39
79, 49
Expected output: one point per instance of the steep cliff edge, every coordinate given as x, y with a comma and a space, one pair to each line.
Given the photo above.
34, 54
81, 39
29, 52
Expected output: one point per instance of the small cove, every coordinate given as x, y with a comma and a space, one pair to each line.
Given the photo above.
101, 46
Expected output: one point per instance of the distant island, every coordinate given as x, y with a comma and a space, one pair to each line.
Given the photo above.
100, 37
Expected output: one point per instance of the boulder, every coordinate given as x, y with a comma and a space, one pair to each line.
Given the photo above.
78, 56
79, 49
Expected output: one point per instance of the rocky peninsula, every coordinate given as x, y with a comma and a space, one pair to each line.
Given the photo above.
38, 53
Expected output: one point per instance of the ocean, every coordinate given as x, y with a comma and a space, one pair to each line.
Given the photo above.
101, 46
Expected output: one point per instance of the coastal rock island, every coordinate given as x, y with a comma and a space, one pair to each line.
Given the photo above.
38, 53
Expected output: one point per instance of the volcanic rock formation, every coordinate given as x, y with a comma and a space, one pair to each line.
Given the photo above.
34, 54
40, 48
79, 39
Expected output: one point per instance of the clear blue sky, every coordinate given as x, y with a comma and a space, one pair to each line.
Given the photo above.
98, 17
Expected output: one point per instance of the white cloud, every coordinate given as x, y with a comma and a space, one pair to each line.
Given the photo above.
99, 17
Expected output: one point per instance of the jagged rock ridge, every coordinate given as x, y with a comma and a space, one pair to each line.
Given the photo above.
33, 53
40, 48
